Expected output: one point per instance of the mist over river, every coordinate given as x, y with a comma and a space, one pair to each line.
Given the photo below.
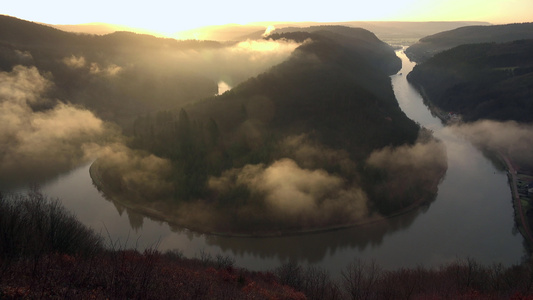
472, 217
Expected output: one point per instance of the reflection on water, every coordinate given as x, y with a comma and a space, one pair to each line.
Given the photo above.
313, 248
303, 248
472, 216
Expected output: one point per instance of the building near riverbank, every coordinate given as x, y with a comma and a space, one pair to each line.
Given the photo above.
529, 188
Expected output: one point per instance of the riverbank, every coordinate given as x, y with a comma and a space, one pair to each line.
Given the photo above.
165, 213
520, 211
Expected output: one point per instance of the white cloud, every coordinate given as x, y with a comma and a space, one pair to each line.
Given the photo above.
33, 141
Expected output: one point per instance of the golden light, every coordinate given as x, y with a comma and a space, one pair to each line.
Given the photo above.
166, 18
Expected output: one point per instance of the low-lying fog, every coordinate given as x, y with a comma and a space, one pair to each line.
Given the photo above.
42, 136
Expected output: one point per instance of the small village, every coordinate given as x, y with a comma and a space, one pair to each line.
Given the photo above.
524, 186
521, 181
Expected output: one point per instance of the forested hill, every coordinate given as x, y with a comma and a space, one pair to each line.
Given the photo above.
334, 86
289, 150
117, 76
430, 45
481, 81
362, 43
339, 93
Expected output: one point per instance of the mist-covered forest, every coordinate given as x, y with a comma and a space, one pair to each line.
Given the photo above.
309, 135
311, 143
432, 44
66, 95
488, 85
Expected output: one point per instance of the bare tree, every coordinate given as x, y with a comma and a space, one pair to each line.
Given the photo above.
360, 279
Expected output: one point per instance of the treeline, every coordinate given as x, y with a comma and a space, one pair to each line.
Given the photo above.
461, 279
75, 264
32, 224
196, 149
481, 81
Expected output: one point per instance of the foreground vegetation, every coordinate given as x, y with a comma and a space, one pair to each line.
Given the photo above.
45, 252
34, 263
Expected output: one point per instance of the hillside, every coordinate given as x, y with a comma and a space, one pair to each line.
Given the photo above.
92, 83
18, 32
482, 81
117, 75
301, 147
430, 45
362, 42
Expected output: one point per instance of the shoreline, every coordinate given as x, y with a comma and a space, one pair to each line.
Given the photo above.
520, 219
149, 212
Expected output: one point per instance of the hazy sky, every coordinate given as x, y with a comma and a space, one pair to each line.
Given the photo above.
171, 16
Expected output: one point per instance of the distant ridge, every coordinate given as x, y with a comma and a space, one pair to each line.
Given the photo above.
101, 29
383, 29
20, 32
14, 30
481, 81
430, 45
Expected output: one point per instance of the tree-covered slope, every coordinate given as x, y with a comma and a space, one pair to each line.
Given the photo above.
117, 75
331, 87
361, 42
430, 45
481, 81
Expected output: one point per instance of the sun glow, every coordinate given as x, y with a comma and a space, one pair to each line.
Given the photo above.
164, 18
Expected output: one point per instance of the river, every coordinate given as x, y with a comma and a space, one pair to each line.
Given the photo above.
472, 217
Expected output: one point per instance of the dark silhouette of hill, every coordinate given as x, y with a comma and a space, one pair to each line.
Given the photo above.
101, 28
346, 75
399, 32
481, 81
16, 31
362, 43
430, 45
